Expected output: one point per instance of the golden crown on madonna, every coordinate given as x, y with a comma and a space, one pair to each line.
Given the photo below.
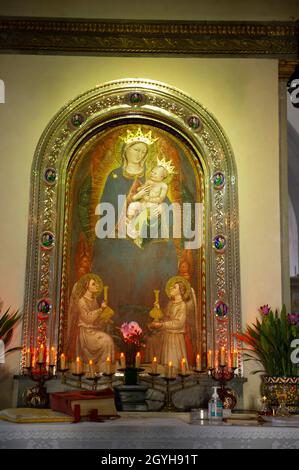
139, 136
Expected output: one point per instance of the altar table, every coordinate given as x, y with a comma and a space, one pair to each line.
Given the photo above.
140, 432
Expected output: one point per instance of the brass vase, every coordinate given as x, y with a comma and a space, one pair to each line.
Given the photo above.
274, 387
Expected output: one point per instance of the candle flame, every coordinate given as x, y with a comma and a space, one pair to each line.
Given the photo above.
170, 363
108, 359
78, 359
42, 346
197, 356
138, 354
62, 355
52, 349
90, 362
155, 359
28, 350
122, 354
183, 360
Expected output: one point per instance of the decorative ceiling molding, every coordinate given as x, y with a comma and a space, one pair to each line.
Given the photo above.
29, 35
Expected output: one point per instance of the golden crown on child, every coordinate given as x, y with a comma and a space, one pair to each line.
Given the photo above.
167, 165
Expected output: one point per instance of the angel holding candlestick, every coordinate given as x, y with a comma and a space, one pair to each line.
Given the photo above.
86, 335
169, 342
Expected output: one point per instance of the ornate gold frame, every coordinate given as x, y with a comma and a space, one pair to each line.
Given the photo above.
101, 106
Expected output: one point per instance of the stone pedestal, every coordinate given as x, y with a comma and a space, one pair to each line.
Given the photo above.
131, 397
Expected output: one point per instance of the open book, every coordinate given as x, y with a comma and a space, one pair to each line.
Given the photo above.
102, 401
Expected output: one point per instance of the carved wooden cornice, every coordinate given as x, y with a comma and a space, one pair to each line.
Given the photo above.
108, 37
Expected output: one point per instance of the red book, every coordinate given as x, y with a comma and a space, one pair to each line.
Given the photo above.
68, 402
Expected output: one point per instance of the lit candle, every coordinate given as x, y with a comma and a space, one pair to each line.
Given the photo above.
52, 356
108, 365
137, 360
198, 362
122, 360
91, 369
41, 354
28, 358
183, 366
106, 294
222, 356
209, 361
169, 370
78, 367
62, 361
235, 358
154, 365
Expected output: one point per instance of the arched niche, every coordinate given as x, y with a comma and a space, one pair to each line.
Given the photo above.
84, 141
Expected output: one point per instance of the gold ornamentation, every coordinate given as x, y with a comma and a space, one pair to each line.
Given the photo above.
138, 136
167, 165
277, 39
174, 280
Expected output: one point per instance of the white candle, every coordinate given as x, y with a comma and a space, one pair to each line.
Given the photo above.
78, 367
154, 365
183, 366
28, 358
235, 358
91, 368
41, 354
222, 356
62, 361
122, 360
209, 362
137, 360
108, 365
52, 356
198, 362
169, 373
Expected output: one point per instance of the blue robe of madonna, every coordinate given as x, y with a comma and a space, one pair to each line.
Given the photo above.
132, 273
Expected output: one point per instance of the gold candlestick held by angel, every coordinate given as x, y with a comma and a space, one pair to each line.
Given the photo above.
107, 312
156, 312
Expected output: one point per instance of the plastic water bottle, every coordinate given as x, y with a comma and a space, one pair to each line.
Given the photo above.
215, 411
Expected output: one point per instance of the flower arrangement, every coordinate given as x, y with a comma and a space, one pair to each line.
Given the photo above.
269, 341
132, 338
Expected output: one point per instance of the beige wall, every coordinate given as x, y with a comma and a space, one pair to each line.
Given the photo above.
157, 9
241, 93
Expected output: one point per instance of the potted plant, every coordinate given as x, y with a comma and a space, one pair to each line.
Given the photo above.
8, 321
269, 342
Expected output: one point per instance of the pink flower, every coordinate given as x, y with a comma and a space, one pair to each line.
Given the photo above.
265, 310
293, 318
131, 332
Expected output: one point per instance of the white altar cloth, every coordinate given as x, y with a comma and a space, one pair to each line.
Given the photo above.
145, 433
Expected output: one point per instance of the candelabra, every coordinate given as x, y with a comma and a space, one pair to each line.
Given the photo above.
198, 372
79, 376
153, 375
169, 406
37, 396
94, 379
223, 374
63, 372
109, 376
183, 378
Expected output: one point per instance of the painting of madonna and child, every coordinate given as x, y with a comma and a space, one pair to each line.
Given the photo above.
135, 250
